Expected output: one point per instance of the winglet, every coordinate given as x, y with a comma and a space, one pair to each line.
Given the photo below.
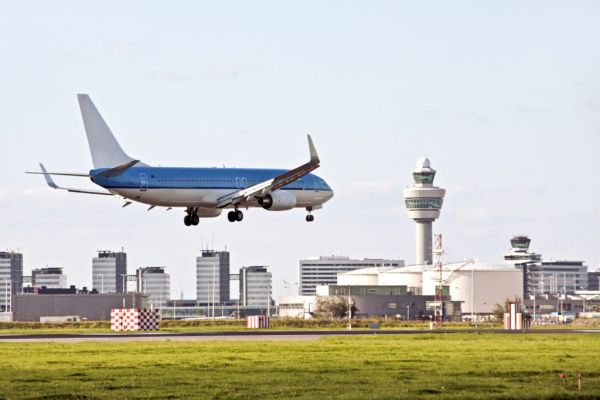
48, 178
314, 157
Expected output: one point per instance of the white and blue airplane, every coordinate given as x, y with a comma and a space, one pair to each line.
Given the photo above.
202, 192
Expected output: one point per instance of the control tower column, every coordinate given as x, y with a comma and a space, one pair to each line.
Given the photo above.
424, 242
424, 202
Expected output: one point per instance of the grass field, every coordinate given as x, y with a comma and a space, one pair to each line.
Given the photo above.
457, 365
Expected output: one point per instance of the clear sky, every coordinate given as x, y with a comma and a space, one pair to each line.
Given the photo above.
503, 97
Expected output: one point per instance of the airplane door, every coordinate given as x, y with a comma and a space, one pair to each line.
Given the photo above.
143, 182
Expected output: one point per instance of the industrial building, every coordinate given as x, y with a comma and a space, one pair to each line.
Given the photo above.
83, 304
391, 301
108, 270
424, 202
156, 284
48, 277
255, 286
212, 277
478, 286
324, 270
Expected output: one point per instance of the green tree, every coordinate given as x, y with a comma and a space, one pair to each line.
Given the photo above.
333, 307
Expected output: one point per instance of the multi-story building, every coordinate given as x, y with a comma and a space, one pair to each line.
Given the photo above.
325, 269
557, 277
212, 277
131, 283
108, 270
48, 277
11, 277
594, 280
255, 286
156, 283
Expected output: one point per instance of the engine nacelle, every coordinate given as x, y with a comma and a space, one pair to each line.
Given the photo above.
279, 200
208, 212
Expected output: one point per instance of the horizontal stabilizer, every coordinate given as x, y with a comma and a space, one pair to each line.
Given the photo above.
53, 185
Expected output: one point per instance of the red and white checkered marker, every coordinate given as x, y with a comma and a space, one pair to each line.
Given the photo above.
134, 319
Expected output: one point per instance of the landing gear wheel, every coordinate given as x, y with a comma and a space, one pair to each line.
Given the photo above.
310, 218
231, 216
187, 220
195, 219
239, 216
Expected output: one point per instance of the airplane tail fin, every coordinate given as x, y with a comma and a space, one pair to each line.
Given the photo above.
106, 151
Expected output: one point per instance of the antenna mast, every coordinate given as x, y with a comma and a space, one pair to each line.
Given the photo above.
438, 251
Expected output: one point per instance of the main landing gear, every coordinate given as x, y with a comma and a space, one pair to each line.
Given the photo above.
309, 217
191, 218
236, 215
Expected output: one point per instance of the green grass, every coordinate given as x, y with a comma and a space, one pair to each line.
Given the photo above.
456, 366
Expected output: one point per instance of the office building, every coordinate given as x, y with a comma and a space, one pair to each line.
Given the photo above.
131, 283
424, 202
108, 270
594, 281
557, 277
154, 282
255, 286
324, 270
545, 276
11, 277
212, 277
48, 277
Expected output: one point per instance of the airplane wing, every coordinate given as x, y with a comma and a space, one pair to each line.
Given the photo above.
53, 185
265, 187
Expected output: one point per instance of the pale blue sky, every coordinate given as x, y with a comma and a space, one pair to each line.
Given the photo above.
503, 97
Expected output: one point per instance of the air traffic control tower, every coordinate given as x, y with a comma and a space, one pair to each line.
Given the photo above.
424, 202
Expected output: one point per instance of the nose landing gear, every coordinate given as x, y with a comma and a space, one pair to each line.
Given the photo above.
309, 217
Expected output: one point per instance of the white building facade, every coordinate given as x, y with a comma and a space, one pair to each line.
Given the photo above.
156, 283
324, 270
256, 286
108, 270
212, 277
48, 277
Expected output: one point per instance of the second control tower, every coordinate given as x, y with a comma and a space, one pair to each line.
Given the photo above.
424, 202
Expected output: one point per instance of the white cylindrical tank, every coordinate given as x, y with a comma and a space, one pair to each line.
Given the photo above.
411, 277
479, 286
359, 277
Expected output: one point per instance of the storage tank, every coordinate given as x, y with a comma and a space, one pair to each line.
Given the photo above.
479, 286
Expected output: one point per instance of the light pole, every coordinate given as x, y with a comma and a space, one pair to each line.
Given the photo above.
124, 283
349, 308
213, 291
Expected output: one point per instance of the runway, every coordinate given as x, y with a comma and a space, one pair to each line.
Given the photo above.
304, 335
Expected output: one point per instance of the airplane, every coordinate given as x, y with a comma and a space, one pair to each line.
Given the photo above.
201, 192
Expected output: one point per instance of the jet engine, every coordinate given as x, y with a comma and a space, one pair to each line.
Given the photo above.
279, 200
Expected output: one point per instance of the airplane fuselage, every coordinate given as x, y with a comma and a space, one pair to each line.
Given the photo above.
202, 187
